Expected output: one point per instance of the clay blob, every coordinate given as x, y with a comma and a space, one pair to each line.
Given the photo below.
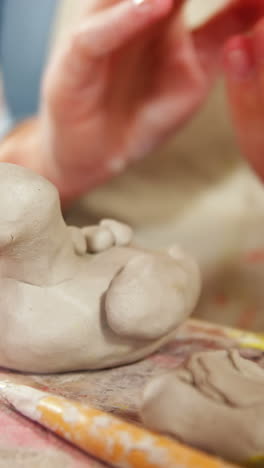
81, 298
214, 403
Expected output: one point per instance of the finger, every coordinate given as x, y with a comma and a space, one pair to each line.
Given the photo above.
109, 29
244, 96
95, 6
195, 61
235, 18
82, 64
182, 84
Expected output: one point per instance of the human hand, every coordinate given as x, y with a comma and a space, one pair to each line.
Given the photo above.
244, 67
130, 75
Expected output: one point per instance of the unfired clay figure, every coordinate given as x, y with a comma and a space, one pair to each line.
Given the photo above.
80, 298
215, 403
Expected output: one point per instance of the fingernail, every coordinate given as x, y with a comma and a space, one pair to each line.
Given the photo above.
238, 58
258, 42
142, 4
161, 6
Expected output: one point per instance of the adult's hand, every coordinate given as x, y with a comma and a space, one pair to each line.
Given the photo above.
130, 75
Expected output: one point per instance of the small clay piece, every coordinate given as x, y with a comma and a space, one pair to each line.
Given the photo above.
76, 298
214, 403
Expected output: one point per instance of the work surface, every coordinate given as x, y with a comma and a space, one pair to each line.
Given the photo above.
25, 444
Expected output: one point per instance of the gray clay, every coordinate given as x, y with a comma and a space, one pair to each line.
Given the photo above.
76, 298
215, 403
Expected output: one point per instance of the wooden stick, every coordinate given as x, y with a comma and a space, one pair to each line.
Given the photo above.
103, 435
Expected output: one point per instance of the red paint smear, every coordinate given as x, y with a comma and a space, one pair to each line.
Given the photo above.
255, 256
14, 432
19, 432
221, 299
247, 318
167, 361
218, 332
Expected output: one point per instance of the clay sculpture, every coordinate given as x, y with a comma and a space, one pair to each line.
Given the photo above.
214, 403
81, 298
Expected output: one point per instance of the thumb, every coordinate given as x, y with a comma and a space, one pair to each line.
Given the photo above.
237, 17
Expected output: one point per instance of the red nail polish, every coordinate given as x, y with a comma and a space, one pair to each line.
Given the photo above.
238, 58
